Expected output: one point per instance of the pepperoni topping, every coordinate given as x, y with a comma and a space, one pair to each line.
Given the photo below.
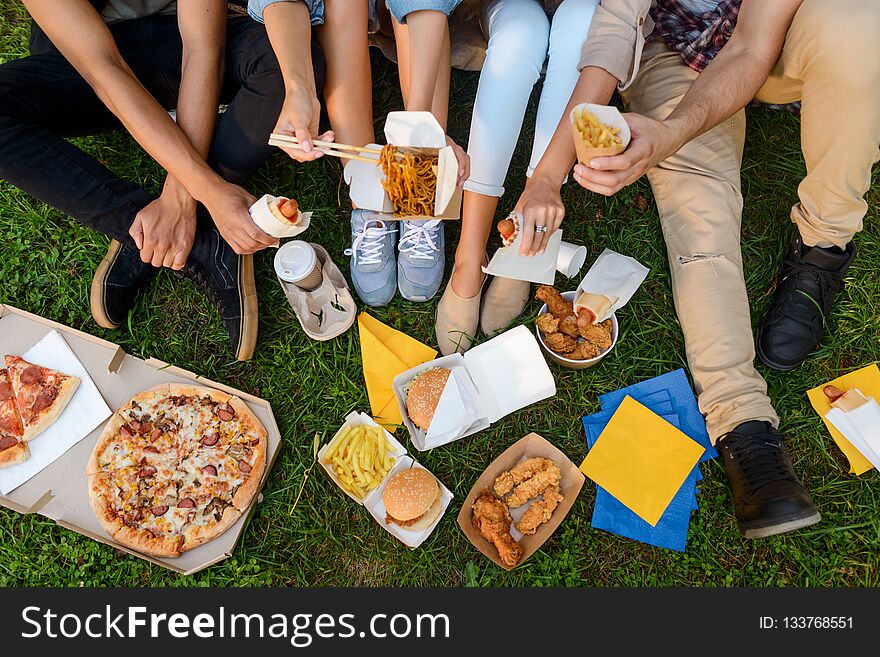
244, 466
6, 391
31, 374
210, 440
225, 412
126, 431
152, 450
43, 401
159, 510
186, 503
155, 435
147, 471
210, 469
7, 441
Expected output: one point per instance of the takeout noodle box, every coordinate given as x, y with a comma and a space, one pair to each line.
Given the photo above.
416, 132
60, 491
373, 502
569, 486
357, 420
502, 375
607, 114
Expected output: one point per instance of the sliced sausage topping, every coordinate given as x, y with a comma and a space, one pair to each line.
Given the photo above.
159, 510
210, 439
210, 469
7, 441
186, 503
244, 466
155, 435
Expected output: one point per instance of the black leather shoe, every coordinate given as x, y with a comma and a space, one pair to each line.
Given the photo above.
768, 498
228, 280
810, 280
118, 281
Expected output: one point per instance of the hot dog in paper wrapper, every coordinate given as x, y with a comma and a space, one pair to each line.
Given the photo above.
279, 216
611, 138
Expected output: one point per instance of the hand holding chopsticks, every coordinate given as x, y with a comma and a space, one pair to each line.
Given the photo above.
365, 154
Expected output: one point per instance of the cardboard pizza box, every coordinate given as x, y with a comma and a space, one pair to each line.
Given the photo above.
60, 491
417, 132
570, 486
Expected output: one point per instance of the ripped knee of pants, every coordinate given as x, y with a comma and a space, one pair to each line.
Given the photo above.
698, 257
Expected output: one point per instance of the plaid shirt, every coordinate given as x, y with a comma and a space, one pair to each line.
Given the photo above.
698, 37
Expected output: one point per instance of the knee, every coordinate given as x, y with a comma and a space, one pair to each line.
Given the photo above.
520, 43
843, 36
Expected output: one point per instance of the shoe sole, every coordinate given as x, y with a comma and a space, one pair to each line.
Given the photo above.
96, 293
249, 309
769, 363
789, 525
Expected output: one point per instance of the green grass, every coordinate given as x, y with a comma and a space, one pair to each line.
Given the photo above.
46, 264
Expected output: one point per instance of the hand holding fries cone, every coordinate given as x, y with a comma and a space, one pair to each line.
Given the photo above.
599, 131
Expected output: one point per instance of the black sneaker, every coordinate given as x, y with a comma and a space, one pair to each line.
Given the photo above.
118, 281
810, 280
768, 498
228, 280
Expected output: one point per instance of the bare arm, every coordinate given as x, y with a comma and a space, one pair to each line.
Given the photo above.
726, 85
82, 37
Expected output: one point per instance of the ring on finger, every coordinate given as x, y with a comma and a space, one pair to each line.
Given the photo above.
540, 229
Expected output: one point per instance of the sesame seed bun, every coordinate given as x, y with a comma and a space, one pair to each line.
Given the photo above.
424, 395
412, 499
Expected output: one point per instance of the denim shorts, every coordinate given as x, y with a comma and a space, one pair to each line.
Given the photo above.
400, 8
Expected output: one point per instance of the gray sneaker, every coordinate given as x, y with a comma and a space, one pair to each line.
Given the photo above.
373, 269
422, 258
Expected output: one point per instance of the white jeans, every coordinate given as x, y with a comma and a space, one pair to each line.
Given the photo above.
520, 39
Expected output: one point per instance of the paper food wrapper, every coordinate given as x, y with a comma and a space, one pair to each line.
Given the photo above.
81, 416
272, 225
860, 426
375, 504
615, 276
417, 132
607, 114
508, 262
569, 486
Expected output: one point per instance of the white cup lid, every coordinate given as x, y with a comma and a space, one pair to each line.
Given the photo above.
294, 261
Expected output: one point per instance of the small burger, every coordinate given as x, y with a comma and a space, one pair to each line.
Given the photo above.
412, 499
424, 395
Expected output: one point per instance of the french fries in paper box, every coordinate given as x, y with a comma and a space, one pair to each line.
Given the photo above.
375, 504
418, 132
607, 116
361, 460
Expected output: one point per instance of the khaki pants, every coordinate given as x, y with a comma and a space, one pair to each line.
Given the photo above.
831, 61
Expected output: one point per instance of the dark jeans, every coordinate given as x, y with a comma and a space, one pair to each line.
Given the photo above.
43, 100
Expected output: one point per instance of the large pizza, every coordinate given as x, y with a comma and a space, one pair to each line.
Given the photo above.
175, 467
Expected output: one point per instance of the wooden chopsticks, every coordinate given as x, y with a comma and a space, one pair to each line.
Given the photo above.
329, 148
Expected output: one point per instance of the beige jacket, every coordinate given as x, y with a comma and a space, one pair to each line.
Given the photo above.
617, 37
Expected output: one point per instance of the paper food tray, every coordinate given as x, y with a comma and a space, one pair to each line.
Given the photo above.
607, 114
373, 502
421, 132
509, 373
570, 486
355, 419
60, 491
508, 262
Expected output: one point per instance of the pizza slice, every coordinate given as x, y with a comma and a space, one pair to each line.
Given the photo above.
40, 393
13, 449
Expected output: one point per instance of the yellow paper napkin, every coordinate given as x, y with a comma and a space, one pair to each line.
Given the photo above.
867, 380
385, 353
641, 459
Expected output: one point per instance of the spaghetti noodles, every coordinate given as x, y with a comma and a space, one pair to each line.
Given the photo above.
410, 180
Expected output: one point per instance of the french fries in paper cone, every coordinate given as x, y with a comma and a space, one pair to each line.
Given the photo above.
609, 119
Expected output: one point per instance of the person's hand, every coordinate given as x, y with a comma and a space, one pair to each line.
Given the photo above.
299, 117
651, 143
540, 205
164, 230
464, 161
228, 205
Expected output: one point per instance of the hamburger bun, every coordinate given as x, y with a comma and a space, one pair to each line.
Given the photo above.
424, 395
412, 499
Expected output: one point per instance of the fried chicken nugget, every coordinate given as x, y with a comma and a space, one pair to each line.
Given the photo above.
532, 487
598, 334
569, 326
505, 482
492, 519
583, 351
560, 343
539, 511
547, 324
557, 304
